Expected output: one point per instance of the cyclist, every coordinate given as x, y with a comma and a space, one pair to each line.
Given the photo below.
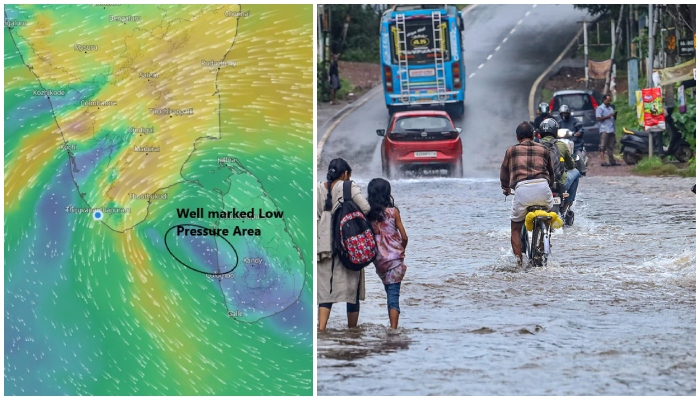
569, 178
526, 168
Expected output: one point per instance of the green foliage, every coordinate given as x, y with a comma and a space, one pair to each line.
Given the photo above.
361, 55
599, 9
345, 89
362, 40
686, 122
626, 116
654, 166
546, 95
641, 42
689, 171
323, 85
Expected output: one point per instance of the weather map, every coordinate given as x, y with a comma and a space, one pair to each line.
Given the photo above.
157, 194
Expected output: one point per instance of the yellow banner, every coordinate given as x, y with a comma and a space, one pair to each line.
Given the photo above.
640, 108
679, 73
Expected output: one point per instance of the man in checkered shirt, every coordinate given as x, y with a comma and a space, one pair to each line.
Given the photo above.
527, 168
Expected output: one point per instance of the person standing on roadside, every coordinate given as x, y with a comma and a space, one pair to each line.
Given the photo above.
334, 77
605, 114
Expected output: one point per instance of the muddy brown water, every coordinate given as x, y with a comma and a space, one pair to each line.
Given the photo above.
613, 312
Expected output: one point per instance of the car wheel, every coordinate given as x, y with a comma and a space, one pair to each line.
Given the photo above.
458, 169
389, 170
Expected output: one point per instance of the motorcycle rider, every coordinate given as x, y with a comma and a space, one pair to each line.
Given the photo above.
566, 122
569, 179
542, 114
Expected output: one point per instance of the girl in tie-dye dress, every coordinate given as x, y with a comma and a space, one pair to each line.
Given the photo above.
391, 241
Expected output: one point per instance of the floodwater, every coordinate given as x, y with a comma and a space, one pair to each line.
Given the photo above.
613, 313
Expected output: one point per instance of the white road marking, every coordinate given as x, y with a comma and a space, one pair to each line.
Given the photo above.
512, 31
498, 48
481, 66
505, 40
472, 74
520, 22
534, 5
489, 57
527, 13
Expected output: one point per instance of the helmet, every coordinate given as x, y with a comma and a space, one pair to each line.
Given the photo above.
564, 109
544, 108
549, 127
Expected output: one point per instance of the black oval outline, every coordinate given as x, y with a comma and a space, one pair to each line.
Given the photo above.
165, 239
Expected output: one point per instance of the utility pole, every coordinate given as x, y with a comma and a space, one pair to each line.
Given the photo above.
615, 37
650, 60
650, 69
585, 49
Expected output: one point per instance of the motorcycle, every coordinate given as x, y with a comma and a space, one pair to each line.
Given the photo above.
561, 207
580, 156
635, 144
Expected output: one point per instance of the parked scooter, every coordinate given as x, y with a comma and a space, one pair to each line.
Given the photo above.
635, 144
579, 155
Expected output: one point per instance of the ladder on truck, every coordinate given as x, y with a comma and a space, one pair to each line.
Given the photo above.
438, 43
404, 81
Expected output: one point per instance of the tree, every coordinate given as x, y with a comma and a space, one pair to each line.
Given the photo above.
596, 10
362, 38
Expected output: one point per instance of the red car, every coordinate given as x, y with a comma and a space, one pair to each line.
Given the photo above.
420, 139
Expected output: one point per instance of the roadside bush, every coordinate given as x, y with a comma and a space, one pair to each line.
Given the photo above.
345, 89
686, 122
689, 172
654, 166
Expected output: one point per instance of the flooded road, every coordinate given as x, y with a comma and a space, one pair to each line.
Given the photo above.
613, 313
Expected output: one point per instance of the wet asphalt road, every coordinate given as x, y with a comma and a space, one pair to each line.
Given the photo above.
528, 40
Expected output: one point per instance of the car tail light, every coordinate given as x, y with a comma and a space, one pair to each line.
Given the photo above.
595, 105
389, 79
397, 136
551, 105
450, 134
456, 80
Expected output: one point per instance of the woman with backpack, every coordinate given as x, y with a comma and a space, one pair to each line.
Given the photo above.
335, 283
